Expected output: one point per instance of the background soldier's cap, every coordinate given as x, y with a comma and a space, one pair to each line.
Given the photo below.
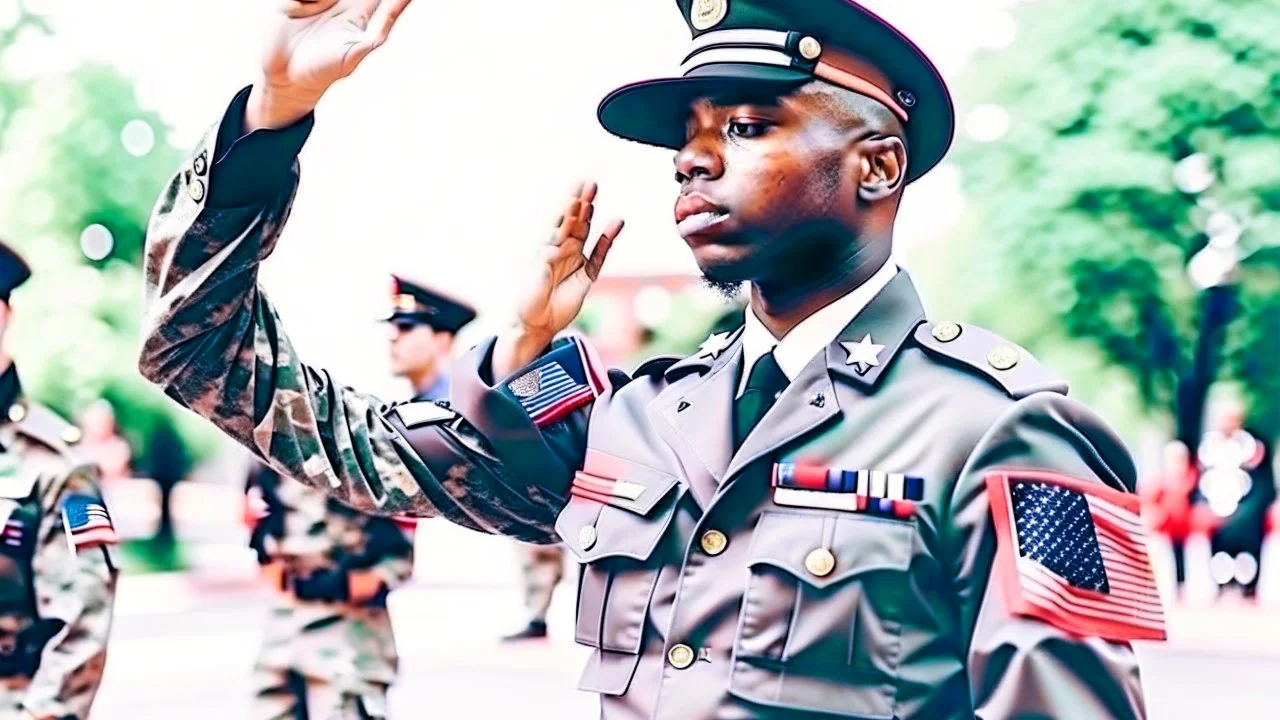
13, 271
779, 45
416, 304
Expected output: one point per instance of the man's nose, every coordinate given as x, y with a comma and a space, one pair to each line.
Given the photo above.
701, 157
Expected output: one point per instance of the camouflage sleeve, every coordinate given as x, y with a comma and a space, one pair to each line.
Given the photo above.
1022, 663
215, 344
77, 588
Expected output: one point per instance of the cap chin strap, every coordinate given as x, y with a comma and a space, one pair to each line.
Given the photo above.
782, 49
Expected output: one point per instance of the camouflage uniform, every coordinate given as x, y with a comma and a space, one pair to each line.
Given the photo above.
320, 650
56, 589
703, 595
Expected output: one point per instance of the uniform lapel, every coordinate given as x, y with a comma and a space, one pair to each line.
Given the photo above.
810, 400
695, 417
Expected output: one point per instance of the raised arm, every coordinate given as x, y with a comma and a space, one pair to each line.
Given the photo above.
215, 343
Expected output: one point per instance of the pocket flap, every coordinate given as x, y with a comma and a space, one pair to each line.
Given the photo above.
623, 483
593, 530
825, 549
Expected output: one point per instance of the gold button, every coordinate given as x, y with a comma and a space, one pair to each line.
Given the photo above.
71, 435
17, 412
820, 562
946, 332
587, 537
714, 542
681, 656
1003, 357
196, 190
810, 48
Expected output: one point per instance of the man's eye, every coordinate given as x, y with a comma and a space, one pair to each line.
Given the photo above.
747, 128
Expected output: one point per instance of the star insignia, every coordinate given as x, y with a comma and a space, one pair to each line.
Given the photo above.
713, 346
864, 354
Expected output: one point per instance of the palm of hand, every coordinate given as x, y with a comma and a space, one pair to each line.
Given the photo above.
309, 53
566, 271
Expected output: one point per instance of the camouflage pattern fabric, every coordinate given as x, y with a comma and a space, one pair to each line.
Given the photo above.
74, 590
337, 646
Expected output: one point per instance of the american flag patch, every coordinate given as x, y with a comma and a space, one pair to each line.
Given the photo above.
13, 531
87, 523
562, 381
1074, 553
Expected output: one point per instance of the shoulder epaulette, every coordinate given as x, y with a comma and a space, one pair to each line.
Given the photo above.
49, 429
987, 354
655, 365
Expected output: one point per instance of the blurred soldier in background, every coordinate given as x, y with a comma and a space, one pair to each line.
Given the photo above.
1238, 483
57, 575
424, 323
541, 570
328, 650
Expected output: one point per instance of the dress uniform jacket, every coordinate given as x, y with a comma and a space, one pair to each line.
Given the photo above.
701, 596
63, 585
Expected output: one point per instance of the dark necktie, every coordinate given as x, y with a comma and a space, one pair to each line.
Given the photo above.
764, 384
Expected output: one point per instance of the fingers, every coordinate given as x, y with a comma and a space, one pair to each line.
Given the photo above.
581, 226
305, 8
601, 251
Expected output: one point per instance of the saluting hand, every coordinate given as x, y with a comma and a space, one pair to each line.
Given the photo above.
564, 275
315, 44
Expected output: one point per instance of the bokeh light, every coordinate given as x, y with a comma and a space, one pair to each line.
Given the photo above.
986, 123
96, 242
138, 138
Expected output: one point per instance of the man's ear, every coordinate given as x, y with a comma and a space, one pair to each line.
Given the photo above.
882, 167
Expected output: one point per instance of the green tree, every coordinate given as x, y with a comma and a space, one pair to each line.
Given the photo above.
77, 151
1079, 239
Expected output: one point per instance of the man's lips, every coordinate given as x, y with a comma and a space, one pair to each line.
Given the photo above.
695, 213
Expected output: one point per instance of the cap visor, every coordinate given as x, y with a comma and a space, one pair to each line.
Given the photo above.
656, 112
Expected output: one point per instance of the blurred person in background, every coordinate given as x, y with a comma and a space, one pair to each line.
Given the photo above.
102, 443
57, 570
1237, 481
1167, 503
328, 649
840, 464
424, 324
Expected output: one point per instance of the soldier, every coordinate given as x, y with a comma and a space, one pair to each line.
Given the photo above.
57, 573
844, 509
328, 650
424, 323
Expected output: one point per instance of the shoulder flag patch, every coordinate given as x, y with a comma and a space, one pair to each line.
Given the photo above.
559, 382
87, 523
1073, 553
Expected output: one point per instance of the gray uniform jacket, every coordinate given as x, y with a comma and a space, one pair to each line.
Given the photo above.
701, 595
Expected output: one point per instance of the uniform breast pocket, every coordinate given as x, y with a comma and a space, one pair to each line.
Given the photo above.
821, 615
616, 547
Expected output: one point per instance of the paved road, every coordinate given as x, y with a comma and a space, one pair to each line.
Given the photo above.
186, 654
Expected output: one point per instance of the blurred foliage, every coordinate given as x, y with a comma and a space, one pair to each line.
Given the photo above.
64, 167
1078, 241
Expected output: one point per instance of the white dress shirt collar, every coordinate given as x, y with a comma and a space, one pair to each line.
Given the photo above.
813, 334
